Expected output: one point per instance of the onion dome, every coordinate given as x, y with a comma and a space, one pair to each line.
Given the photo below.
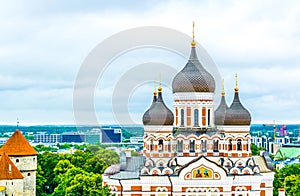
193, 77
221, 110
237, 114
158, 113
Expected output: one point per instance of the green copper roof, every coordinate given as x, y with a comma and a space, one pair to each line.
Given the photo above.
288, 153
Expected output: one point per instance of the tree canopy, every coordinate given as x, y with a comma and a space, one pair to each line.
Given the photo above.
74, 174
289, 178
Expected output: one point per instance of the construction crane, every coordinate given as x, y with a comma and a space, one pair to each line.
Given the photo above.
274, 128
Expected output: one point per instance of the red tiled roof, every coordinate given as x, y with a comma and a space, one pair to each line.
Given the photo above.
8, 170
17, 145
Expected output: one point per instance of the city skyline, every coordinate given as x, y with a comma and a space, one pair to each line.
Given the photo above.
43, 46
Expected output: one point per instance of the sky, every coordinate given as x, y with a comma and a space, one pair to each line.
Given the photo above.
44, 44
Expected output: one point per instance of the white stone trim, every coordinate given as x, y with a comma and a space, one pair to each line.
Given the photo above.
193, 96
237, 128
158, 128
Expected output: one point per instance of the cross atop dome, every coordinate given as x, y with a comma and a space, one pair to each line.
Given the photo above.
236, 89
193, 35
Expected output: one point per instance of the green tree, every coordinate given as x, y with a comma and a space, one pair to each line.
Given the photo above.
45, 175
95, 165
65, 172
110, 157
284, 178
64, 146
61, 168
292, 185
93, 148
256, 150
86, 184
40, 180
56, 172
79, 158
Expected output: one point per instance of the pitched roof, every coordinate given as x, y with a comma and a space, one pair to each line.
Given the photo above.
197, 159
17, 145
287, 153
8, 170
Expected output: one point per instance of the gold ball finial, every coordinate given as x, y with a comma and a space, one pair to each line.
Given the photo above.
236, 89
193, 36
159, 88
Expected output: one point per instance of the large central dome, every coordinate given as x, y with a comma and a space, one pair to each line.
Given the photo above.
193, 77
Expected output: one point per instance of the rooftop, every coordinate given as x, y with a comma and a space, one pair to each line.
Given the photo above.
17, 145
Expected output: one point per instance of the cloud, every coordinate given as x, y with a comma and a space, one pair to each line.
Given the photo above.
42, 46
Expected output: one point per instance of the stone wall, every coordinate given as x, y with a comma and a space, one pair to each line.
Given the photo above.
25, 162
13, 187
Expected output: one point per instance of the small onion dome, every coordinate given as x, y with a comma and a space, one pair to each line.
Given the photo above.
222, 108
193, 77
237, 114
158, 113
111, 170
221, 112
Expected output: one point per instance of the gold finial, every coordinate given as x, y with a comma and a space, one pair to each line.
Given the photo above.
154, 92
159, 88
236, 83
223, 90
193, 36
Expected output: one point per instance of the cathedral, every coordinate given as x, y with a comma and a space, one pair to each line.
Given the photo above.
200, 149
18, 165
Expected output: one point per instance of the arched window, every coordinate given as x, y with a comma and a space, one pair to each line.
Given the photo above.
196, 118
247, 148
216, 145
160, 145
169, 146
239, 144
188, 116
180, 145
203, 116
192, 145
208, 117
230, 145
203, 142
151, 145
182, 117
17, 160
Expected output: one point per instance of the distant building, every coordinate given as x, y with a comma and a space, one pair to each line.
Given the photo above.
69, 137
92, 138
111, 135
18, 165
3, 140
43, 137
105, 135
269, 144
136, 140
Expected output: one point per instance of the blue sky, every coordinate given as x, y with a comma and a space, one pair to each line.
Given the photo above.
44, 43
